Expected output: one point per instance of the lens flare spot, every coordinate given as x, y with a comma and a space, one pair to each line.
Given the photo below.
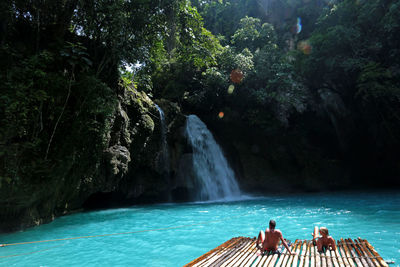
305, 47
221, 115
296, 29
231, 88
298, 26
236, 76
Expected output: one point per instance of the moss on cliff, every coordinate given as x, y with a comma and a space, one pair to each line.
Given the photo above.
108, 152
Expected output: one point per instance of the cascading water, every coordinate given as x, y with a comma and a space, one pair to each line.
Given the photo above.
215, 178
164, 144
165, 152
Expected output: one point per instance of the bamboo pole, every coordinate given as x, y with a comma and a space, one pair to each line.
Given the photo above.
317, 257
323, 259
312, 254
295, 258
266, 260
306, 255
287, 255
359, 253
247, 254
346, 254
223, 251
212, 252
242, 252
328, 258
238, 256
303, 254
273, 260
252, 257
213, 258
338, 256
281, 258
370, 255
334, 258
255, 260
230, 253
364, 253
350, 253
378, 257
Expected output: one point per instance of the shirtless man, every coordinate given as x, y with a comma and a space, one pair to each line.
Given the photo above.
325, 241
270, 240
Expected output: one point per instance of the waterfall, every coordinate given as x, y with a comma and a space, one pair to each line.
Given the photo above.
164, 144
164, 160
215, 178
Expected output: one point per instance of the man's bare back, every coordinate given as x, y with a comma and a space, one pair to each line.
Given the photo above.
272, 238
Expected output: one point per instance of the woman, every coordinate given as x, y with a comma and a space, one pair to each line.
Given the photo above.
325, 241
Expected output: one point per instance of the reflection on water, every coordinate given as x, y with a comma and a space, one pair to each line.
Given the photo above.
203, 226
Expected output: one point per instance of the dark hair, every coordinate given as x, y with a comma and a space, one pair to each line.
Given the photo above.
272, 224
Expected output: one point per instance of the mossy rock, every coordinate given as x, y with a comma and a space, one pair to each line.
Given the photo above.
147, 124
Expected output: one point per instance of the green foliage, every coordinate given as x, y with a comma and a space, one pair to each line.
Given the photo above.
62, 60
222, 17
230, 60
25, 88
377, 82
350, 51
34, 91
269, 91
355, 56
247, 34
178, 57
252, 35
197, 45
55, 105
126, 28
75, 54
127, 79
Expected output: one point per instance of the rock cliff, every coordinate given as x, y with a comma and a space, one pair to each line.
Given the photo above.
125, 171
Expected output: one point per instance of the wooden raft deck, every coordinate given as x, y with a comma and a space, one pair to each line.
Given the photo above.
241, 251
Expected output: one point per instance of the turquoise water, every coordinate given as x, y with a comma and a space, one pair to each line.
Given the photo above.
203, 226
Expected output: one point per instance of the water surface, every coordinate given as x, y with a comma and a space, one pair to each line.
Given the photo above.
196, 228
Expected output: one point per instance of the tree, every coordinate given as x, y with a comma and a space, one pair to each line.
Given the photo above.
176, 66
60, 64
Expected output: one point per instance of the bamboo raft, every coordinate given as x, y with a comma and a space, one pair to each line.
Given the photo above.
242, 251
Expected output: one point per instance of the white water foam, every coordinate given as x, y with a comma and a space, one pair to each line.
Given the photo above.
164, 144
216, 180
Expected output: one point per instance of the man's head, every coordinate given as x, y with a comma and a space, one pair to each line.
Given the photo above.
272, 224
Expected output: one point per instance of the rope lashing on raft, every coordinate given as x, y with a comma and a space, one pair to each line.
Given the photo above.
114, 234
